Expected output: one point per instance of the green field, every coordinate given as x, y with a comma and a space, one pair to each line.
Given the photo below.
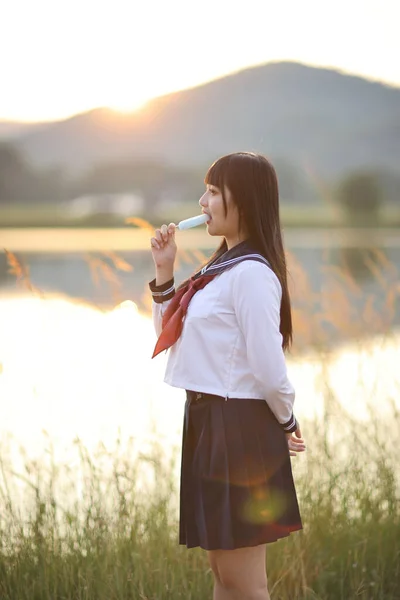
324, 215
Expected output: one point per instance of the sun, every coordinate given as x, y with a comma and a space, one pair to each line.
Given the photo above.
129, 106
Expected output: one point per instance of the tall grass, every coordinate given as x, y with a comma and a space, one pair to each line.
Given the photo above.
116, 537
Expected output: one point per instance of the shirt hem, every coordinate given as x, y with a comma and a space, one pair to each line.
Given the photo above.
194, 387
212, 390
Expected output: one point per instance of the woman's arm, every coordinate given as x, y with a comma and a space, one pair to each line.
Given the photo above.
257, 300
163, 248
162, 295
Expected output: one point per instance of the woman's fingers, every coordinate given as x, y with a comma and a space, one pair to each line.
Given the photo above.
164, 232
298, 438
290, 436
297, 443
295, 446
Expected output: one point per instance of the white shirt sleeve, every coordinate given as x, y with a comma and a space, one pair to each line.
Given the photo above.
257, 299
158, 310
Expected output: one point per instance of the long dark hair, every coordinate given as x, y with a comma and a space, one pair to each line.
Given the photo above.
253, 184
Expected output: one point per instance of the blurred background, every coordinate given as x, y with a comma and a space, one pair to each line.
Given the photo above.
110, 114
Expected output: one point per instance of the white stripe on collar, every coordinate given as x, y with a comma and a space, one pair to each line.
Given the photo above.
232, 261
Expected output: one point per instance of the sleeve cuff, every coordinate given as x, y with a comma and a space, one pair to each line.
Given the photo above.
290, 426
164, 292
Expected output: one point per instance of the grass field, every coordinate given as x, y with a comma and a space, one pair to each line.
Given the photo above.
324, 215
120, 542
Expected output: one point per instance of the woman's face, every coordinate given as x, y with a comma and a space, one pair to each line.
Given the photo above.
213, 205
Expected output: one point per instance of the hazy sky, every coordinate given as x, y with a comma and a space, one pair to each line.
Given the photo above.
59, 57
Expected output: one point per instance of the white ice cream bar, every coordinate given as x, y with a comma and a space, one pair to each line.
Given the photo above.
193, 222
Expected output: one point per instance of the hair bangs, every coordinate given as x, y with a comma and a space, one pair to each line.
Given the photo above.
216, 174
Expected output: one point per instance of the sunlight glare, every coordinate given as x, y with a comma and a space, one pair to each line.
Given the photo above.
128, 105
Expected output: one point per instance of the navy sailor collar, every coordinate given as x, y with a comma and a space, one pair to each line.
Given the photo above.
230, 258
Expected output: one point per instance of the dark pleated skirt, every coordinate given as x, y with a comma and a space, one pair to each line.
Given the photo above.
237, 487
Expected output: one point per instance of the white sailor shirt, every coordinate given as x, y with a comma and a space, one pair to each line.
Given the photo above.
230, 344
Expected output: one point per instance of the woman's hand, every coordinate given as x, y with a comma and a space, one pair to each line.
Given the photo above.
163, 247
296, 444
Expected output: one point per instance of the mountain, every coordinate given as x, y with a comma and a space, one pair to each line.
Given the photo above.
12, 129
320, 120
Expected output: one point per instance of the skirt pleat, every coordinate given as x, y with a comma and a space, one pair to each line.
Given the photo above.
236, 486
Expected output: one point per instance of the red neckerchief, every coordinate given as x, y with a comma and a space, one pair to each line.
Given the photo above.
172, 322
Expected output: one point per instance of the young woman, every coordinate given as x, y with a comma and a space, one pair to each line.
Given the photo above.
227, 328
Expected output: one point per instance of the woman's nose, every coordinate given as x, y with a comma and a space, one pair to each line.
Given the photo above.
202, 201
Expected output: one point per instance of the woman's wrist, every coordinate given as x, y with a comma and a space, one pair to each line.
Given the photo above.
164, 274
291, 425
162, 292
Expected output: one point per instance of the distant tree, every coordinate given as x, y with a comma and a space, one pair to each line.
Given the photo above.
15, 176
51, 185
360, 195
389, 181
20, 182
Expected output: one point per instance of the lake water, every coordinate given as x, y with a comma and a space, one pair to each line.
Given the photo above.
106, 267
75, 357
